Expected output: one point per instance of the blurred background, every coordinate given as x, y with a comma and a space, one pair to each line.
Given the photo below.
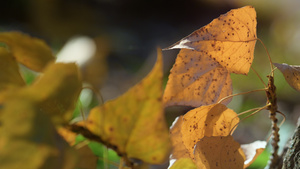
115, 41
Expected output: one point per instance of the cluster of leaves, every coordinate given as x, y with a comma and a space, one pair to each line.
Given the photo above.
133, 124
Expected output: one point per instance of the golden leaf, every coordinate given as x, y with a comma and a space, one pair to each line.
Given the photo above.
291, 74
212, 120
134, 124
195, 80
201, 73
219, 152
31, 52
229, 40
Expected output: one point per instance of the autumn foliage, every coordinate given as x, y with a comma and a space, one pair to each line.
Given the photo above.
133, 125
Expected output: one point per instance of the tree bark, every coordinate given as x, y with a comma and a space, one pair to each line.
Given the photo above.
291, 157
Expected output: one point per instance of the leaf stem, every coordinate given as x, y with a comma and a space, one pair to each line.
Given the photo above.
271, 63
227, 97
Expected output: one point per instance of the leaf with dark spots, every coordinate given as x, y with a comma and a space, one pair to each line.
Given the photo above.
134, 122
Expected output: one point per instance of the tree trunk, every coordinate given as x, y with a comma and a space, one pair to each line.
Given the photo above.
291, 154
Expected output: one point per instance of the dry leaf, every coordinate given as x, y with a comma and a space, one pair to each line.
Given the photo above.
32, 52
212, 120
134, 124
196, 80
185, 163
229, 40
252, 151
10, 76
219, 152
226, 45
291, 74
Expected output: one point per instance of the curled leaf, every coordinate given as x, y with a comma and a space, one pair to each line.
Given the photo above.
212, 120
252, 151
121, 123
219, 152
31, 52
291, 74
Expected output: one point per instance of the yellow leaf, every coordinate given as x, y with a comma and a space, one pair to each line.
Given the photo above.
32, 52
212, 120
57, 91
196, 80
10, 76
229, 40
252, 151
291, 74
184, 163
201, 73
67, 135
29, 139
134, 124
219, 152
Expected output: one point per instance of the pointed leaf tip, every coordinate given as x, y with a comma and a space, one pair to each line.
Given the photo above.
229, 40
291, 74
140, 110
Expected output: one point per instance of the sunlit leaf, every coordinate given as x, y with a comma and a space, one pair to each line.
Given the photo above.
201, 73
134, 124
185, 163
252, 151
212, 120
229, 40
291, 74
58, 90
10, 76
219, 152
29, 139
196, 80
32, 52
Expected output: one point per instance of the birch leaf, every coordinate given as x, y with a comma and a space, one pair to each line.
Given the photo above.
134, 124
229, 40
32, 52
212, 120
196, 80
201, 73
219, 152
291, 74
